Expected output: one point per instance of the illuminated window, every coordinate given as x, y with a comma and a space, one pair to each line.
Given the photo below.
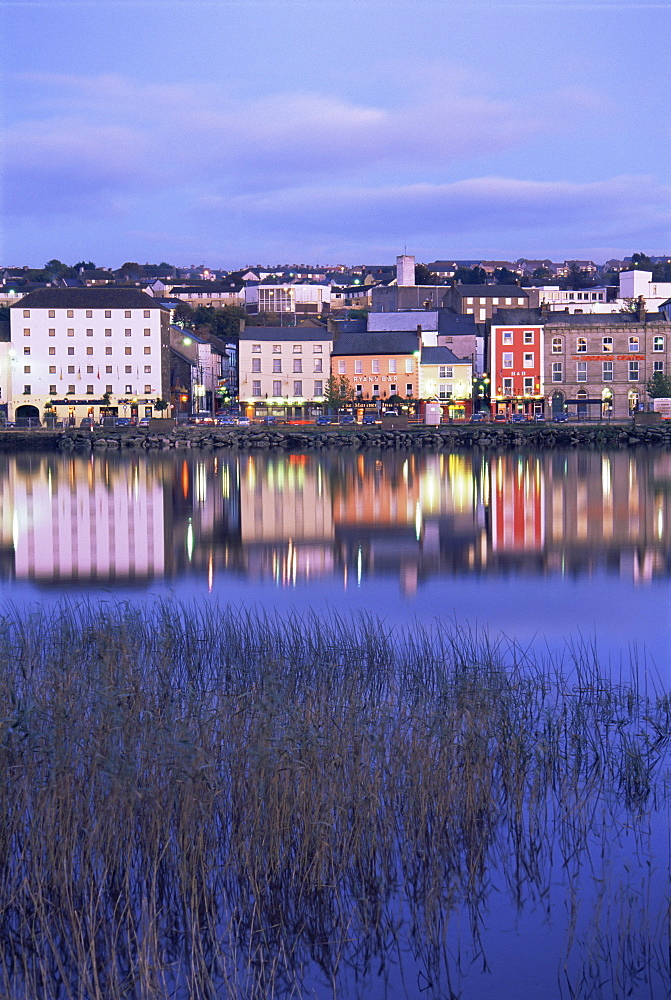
507, 360
375, 366
26, 333
147, 369
128, 350
633, 343
52, 350
147, 350
71, 332
70, 313
556, 345
528, 360
89, 350
528, 386
658, 343
26, 350
89, 390
52, 314
528, 336
52, 369
392, 366
607, 345
147, 332
507, 337
581, 345
147, 388
26, 369
52, 333
298, 348
108, 350
108, 314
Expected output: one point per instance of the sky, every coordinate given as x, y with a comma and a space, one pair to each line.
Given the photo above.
239, 132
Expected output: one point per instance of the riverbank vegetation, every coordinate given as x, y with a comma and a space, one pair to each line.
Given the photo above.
201, 803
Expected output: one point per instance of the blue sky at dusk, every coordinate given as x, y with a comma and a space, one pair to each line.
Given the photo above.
330, 131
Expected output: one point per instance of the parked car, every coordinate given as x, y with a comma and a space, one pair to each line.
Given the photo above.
87, 422
560, 418
144, 422
123, 422
243, 422
500, 418
539, 418
369, 418
322, 420
227, 422
346, 418
518, 418
478, 418
269, 421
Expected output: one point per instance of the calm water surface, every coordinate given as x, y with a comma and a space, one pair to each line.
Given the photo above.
544, 548
552, 550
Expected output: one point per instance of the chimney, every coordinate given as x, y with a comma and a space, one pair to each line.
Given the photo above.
640, 309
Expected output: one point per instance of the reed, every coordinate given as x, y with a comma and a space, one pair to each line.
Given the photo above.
218, 802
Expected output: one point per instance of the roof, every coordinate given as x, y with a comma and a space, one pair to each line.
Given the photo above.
456, 324
5, 334
520, 317
492, 291
88, 298
441, 356
375, 343
285, 333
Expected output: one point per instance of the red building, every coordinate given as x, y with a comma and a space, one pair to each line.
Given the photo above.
516, 366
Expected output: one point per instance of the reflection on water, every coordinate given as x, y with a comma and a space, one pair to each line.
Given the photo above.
297, 518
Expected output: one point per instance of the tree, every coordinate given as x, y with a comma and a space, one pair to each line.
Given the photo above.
182, 314
4, 313
423, 276
160, 404
57, 269
338, 391
504, 276
87, 265
641, 262
659, 386
541, 273
131, 269
223, 323
470, 276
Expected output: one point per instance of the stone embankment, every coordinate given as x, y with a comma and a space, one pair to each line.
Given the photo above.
445, 438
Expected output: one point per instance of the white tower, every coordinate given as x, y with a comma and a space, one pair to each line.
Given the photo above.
405, 270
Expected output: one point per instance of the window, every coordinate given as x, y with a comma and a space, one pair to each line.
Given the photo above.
127, 314
52, 314
256, 364
70, 313
277, 387
277, 364
376, 389
256, 388
298, 388
256, 348
147, 332
358, 389
71, 350
52, 350
52, 333
71, 332
277, 348
89, 332
658, 366
317, 349
108, 388
581, 345
375, 366
26, 313
409, 366
89, 389
89, 313
392, 387
26, 369
392, 366
528, 386
147, 369
146, 313
52, 390
128, 369
557, 371
658, 343
607, 345
507, 337
358, 367
89, 350
129, 388
71, 390
508, 360
298, 365
318, 365
108, 314
26, 333
147, 388
581, 371
633, 343
27, 390
507, 387
528, 336
319, 388
71, 369
108, 333
633, 371
298, 348
556, 345
127, 333
108, 350
52, 369
528, 360
341, 368
607, 371
89, 369
444, 390
408, 388
128, 350
26, 350
147, 350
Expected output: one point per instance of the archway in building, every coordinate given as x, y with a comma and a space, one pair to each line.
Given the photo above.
26, 415
557, 403
582, 404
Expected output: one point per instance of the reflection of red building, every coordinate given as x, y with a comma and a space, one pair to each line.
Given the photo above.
517, 505
516, 366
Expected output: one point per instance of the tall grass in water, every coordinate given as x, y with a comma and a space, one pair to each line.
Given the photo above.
215, 803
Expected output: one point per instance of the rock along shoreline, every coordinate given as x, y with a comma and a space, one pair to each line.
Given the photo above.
444, 438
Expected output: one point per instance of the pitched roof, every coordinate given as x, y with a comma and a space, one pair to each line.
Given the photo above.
492, 291
441, 356
88, 298
355, 344
285, 333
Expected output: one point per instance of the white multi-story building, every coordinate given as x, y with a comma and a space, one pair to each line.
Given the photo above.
84, 350
295, 297
284, 366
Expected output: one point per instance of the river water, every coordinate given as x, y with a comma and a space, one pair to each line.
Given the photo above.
555, 551
546, 548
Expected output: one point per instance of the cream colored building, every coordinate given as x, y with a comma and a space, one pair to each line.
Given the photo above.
283, 365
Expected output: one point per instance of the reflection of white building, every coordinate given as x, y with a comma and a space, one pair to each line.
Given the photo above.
82, 519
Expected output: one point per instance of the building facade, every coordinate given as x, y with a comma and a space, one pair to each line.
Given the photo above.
379, 365
283, 366
86, 351
516, 352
